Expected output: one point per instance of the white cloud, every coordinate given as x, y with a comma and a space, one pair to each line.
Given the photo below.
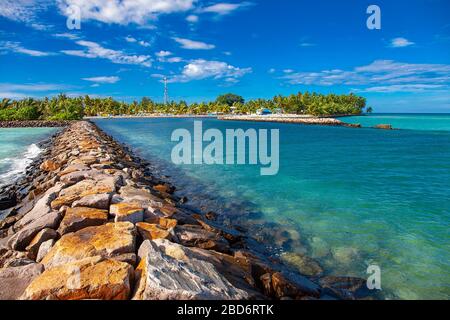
21, 91
193, 45
103, 79
192, 18
66, 35
140, 42
307, 44
94, 50
397, 75
130, 39
400, 43
163, 54
203, 69
18, 48
272, 70
124, 12
23, 10
404, 88
224, 8
174, 60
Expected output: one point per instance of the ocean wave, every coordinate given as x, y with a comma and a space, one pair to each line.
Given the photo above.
18, 165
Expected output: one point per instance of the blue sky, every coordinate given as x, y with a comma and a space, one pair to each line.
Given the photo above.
255, 48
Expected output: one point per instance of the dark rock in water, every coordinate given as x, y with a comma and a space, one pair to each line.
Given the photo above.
383, 126
348, 288
7, 200
304, 264
212, 216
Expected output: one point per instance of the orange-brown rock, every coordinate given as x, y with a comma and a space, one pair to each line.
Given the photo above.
81, 189
130, 212
109, 240
90, 278
168, 210
152, 231
49, 165
164, 223
81, 217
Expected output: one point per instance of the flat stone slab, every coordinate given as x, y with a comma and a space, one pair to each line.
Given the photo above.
90, 278
81, 217
108, 241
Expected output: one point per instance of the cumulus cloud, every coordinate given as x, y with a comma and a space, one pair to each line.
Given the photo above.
93, 50
400, 43
398, 75
124, 12
18, 48
103, 79
140, 42
193, 45
202, 69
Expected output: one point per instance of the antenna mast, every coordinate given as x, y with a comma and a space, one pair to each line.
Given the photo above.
166, 91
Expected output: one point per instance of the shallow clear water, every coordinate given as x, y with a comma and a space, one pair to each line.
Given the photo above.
348, 197
412, 121
18, 148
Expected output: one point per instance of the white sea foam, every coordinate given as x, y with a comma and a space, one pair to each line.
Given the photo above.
17, 166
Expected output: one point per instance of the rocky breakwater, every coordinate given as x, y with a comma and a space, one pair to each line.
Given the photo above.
96, 224
306, 120
34, 124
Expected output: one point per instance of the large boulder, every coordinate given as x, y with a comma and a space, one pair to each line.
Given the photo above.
14, 281
81, 217
109, 240
167, 272
150, 231
21, 239
98, 201
43, 235
90, 278
41, 208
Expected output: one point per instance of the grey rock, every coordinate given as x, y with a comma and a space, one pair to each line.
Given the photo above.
163, 277
97, 201
21, 239
44, 249
14, 280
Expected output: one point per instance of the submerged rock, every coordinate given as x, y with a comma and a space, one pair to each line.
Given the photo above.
304, 264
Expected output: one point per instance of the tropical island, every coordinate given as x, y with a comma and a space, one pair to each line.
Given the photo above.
63, 107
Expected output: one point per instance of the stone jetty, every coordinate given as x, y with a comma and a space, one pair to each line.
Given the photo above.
94, 223
35, 124
298, 119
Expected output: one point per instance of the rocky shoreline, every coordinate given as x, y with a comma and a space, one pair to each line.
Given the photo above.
92, 222
34, 124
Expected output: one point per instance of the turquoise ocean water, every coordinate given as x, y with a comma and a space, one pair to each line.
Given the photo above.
351, 197
18, 147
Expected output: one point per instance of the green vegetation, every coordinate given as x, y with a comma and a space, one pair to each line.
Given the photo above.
66, 108
230, 99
